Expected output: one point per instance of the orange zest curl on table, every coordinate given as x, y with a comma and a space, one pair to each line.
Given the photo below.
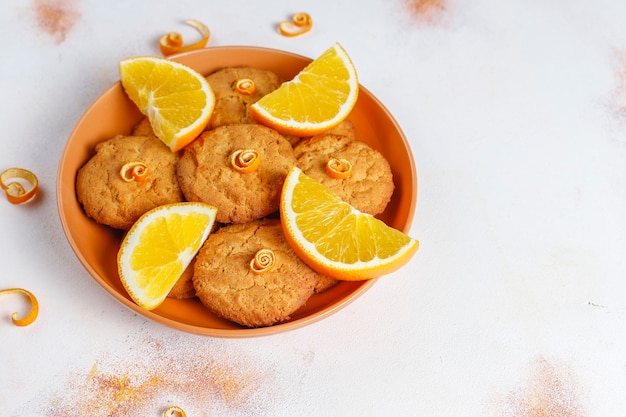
34, 309
299, 24
174, 411
15, 191
172, 43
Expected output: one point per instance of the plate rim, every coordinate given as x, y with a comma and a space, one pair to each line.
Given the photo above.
242, 332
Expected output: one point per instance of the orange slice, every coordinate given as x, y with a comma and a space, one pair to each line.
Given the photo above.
336, 239
317, 99
177, 100
158, 248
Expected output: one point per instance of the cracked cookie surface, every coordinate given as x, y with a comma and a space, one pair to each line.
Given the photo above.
110, 200
205, 173
370, 185
227, 286
232, 106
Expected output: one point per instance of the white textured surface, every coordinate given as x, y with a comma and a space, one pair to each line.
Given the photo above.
515, 304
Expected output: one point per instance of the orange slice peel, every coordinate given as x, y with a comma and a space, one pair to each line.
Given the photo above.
34, 307
12, 182
177, 100
159, 247
318, 98
334, 238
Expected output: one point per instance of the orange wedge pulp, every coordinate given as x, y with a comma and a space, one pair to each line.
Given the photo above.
334, 238
319, 97
158, 248
177, 100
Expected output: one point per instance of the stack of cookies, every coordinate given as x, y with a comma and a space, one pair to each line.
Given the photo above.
238, 166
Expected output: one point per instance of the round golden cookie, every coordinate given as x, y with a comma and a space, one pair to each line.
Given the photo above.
232, 105
370, 185
109, 199
205, 173
226, 284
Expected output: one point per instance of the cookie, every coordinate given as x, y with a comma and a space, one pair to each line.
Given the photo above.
184, 286
226, 284
205, 172
231, 104
369, 186
325, 283
143, 128
109, 199
345, 128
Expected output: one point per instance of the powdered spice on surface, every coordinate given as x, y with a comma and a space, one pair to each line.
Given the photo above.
145, 381
427, 11
551, 391
617, 101
56, 17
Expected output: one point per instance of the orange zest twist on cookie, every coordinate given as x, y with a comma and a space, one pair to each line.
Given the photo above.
15, 191
34, 307
263, 261
339, 168
300, 23
245, 86
245, 161
172, 43
134, 171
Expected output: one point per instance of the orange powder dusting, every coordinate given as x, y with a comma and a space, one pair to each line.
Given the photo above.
427, 11
550, 392
204, 381
56, 17
109, 394
230, 388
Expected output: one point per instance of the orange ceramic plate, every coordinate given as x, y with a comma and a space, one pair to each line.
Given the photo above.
113, 113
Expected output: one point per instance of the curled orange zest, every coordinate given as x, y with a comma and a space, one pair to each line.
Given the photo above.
339, 168
263, 261
172, 43
300, 23
134, 171
245, 86
245, 161
34, 309
174, 411
15, 191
